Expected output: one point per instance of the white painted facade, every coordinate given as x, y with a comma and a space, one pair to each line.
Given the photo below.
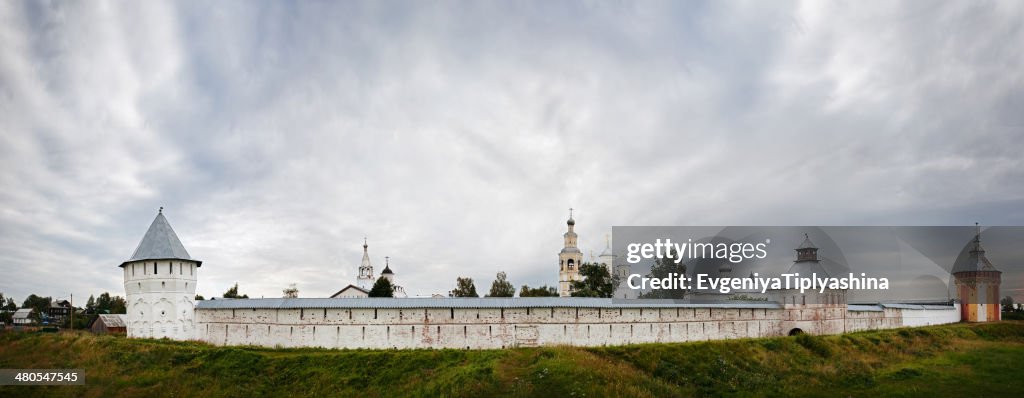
160, 298
930, 317
570, 258
365, 279
488, 328
351, 291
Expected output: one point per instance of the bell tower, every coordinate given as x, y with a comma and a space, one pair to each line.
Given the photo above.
365, 279
160, 285
569, 260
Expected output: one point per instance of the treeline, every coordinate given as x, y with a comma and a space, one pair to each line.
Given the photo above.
40, 305
597, 282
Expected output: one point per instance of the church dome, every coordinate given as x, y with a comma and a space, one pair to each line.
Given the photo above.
387, 270
571, 221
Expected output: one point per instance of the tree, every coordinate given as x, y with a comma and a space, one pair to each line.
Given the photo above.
90, 305
11, 305
83, 321
744, 297
107, 304
5, 313
662, 268
382, 288
103, 303
597, 282
291, 291
118, 305
1007, 303
200, 297
543, 291
501, 287
464, 287
233, 293
40, 305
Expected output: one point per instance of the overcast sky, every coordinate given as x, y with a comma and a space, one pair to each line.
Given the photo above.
456, 135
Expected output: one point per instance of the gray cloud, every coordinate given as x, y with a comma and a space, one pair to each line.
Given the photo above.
455, 135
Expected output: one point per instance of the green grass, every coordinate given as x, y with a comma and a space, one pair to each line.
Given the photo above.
961, 359
1013, 316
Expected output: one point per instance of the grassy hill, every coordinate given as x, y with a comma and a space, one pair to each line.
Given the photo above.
961, 359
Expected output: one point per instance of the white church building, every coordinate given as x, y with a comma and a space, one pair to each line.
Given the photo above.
365, 280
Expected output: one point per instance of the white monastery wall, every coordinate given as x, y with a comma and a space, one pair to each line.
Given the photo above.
481, 328
931, 315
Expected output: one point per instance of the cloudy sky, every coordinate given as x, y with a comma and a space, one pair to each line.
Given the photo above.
456, 135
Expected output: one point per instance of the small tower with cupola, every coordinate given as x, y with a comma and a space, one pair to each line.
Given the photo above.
160, 285
569, 260
808, 265
365, 279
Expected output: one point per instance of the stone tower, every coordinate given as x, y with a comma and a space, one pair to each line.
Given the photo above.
977, 285
569, 260
807, 265
365, 279
160, 285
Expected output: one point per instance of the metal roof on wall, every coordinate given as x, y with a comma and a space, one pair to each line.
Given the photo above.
427, 302
883, 306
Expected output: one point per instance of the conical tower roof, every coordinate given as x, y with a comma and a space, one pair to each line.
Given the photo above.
807, 244
160, 243
976, 261
366, 255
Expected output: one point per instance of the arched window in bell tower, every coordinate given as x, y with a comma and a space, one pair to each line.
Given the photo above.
571, 264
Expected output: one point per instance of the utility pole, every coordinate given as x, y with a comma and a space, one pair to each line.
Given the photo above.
71, 322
